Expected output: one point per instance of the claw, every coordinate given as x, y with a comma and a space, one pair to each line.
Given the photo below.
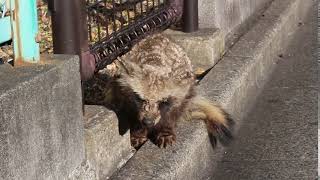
165, 140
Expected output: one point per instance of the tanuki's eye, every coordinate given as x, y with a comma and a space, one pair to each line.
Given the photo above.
138, 100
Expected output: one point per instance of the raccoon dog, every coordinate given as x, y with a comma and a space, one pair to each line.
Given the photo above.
156, 86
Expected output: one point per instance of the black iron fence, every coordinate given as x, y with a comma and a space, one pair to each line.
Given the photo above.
108, 17
113, 26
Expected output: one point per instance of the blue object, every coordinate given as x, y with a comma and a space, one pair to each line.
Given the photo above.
22, 28
5, 28
25, 28
5, 22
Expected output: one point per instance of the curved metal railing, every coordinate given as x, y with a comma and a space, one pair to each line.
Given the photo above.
117, 32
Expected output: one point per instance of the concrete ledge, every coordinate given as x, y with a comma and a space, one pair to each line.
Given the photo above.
227, 15
233, 82
41, 121
106, 150
204, 47
230, 14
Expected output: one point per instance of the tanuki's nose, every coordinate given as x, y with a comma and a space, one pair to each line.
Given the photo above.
148, 122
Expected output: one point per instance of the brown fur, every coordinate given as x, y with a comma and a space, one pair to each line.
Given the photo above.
155, 87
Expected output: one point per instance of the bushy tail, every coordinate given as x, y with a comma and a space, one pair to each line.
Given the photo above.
218, 122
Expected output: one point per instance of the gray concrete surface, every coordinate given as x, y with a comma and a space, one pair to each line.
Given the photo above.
204, 47
206, 10
106, 150
230, 14
41, 123
233, 18
227, 15
278, 137
234, 82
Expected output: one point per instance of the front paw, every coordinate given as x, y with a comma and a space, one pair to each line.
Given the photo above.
138, 138
137, 142
163, 138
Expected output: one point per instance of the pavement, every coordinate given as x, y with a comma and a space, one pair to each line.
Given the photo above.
278, 137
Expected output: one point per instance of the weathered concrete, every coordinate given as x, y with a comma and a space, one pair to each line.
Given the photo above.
234, 82
207, 11
279, 135
41, 123
106, 150
207, 46
204, 47
227, 15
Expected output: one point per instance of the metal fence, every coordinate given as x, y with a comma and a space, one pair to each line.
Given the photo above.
107, 18
109, 28
115, 25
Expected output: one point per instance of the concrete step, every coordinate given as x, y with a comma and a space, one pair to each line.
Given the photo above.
234, 82
204, 47
106, 151
221, 23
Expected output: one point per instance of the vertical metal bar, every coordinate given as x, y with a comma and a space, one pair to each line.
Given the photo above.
190, 19
70, 32
106, 24
128, 13
90, 24
121, 15
147, 8
141, 6
99, 28
107, 27
66, 26
25, 30
135, 11
114, 24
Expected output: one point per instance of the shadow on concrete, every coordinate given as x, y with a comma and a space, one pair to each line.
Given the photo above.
100, 91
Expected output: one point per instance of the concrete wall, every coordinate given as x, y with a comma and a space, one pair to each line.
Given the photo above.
41, 122
227, 14
106, 149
